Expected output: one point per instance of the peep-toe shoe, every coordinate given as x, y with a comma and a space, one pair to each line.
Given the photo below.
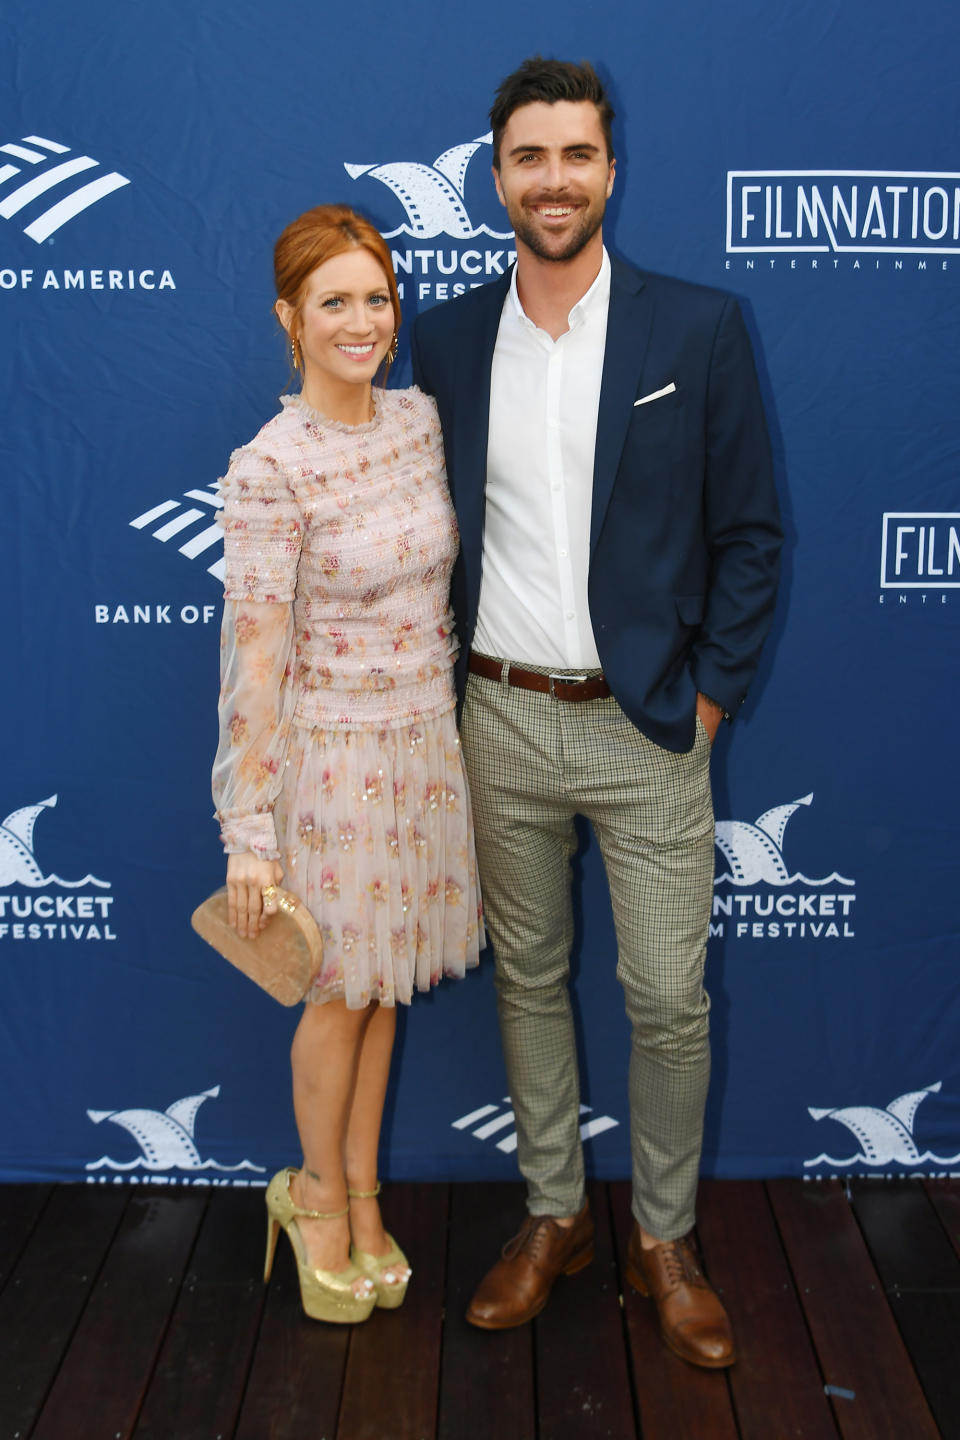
391, 1291
324, 1294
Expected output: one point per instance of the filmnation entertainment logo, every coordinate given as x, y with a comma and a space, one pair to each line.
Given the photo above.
843, 212
920, 550
48, 173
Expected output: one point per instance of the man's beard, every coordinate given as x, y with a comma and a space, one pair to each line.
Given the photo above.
524, 227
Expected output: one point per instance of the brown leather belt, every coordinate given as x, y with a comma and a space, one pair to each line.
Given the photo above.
594, 687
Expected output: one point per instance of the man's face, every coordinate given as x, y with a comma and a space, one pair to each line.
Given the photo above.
554, 177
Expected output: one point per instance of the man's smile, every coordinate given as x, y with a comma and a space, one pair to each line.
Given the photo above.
553, 209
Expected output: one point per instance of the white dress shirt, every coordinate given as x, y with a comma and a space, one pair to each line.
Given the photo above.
544, 395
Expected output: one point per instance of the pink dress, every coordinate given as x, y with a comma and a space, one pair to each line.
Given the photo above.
339, 752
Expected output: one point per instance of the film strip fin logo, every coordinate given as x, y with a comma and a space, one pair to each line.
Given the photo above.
35, 151
176, 519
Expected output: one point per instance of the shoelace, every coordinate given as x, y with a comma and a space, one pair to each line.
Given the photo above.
531, 1237
680, 1265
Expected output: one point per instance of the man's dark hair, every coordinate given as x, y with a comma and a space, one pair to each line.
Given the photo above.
549, 81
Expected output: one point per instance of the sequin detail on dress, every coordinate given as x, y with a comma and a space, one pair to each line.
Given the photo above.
338, 748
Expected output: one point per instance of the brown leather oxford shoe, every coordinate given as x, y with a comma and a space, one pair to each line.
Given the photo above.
693, 1322
518, 1286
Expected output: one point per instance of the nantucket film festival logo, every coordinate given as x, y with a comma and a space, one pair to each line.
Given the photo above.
884, 1137
919, 557
165, 1146
44, 187
38, 906
757, 898
842, 219
434, 202
441, 250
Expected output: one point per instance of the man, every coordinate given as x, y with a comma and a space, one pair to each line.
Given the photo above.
609, 463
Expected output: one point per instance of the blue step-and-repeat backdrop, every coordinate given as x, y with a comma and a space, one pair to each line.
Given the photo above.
805, 157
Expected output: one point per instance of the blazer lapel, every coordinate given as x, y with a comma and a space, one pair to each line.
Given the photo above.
468, 462
629, 319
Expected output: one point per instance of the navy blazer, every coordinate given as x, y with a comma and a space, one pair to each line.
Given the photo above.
685, 531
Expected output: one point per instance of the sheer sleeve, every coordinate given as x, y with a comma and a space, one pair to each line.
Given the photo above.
263, 528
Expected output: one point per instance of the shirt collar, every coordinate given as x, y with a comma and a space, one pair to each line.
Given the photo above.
596, 298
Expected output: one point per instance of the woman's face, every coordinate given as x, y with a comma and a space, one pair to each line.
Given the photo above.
345, 325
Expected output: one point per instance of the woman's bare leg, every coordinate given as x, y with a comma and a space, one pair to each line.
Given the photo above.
325, 1058
363, 1134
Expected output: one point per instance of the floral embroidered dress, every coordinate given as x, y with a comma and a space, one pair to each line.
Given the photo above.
338, 749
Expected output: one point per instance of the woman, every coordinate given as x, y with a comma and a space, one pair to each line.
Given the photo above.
339, 768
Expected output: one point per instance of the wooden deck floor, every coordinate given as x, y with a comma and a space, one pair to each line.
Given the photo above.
138, 1311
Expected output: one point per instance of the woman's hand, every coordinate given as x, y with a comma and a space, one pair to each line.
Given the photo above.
247, 878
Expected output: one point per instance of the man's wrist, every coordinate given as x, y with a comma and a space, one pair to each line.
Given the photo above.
723, 712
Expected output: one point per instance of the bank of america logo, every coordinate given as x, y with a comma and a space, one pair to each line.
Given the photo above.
48, 172
196, 528
490, 1120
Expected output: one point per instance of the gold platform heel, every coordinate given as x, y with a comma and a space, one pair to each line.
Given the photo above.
390, 1290
324, 1294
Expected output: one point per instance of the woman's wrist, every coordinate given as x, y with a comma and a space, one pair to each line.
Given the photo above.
254, 833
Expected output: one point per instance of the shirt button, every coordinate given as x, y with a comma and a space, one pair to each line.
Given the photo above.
569, 614
563, 554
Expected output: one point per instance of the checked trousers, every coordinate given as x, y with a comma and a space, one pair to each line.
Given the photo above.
534, 763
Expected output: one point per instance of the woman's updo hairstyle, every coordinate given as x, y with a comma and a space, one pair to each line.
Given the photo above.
317, 236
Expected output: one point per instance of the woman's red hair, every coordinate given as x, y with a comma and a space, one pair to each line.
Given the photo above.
317, 236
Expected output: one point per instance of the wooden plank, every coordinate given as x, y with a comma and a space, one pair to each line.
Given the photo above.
101, 1383
20, 1208
929, 1323
116, 1301
198, 1383
776, 1373
874, 1390
293, 1389
393, 1366
47, 1292
909, 1245
583, 1379
944, 1195
921, 1273
673, 1398
486, 1376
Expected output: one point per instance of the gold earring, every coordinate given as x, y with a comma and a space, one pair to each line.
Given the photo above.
293, 356
394, 348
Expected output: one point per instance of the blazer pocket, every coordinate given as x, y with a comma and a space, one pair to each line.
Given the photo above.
667, 401
653, 396
690, 608
657, 435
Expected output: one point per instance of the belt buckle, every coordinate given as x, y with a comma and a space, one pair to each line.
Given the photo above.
564, 680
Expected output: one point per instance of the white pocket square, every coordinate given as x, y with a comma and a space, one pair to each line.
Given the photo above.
655, 395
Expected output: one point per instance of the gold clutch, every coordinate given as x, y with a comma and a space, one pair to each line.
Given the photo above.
285, 957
